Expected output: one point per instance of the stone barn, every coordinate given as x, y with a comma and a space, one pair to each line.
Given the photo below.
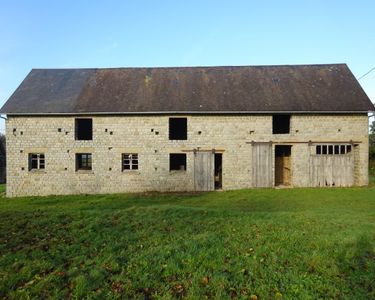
88, 131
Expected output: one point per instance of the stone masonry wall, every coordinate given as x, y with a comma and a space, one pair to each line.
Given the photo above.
148, 136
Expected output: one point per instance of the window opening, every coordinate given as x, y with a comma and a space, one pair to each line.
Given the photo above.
280, 124
36, 161
129, 161
83, 161
177, 162
178, 128
337, 149
83, 129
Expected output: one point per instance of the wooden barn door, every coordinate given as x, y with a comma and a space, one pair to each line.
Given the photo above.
204, 164
332, 170
262, 164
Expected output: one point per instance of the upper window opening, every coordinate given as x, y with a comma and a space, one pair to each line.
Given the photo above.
83, 129
36, 161
280, 124
178, 128
177, 162
84, 161
333, 149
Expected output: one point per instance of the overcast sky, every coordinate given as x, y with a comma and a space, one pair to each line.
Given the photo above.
73, 34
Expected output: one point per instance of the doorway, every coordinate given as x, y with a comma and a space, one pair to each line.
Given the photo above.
218, 171
283, 165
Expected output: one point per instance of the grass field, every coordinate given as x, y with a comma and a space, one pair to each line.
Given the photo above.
275, 244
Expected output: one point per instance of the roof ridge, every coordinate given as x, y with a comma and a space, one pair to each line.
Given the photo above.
197, 67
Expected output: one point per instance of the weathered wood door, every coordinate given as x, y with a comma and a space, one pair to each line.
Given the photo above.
262, 164
204, 164
332, 170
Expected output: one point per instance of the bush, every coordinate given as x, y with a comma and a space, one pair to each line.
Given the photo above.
372, 152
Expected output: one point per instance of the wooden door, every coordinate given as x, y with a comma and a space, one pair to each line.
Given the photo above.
262, 165
204, 164
332, 170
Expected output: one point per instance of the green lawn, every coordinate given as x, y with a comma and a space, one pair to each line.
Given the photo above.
275, 244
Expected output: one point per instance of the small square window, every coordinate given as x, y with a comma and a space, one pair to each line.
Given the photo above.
130, 161
83, 161
177, 162
36, 161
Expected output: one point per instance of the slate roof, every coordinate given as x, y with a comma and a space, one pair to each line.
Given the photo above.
241, 89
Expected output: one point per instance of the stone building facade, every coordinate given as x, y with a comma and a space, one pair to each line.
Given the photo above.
102, 131
148, 136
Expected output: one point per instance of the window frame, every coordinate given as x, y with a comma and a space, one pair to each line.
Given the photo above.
133, 162
40, 161
87, 161
333, 149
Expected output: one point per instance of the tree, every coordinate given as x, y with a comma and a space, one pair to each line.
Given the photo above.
372, 133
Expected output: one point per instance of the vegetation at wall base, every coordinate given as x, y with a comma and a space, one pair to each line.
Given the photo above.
372, 143
268, 243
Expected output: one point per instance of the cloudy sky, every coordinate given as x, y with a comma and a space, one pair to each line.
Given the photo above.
72, 34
